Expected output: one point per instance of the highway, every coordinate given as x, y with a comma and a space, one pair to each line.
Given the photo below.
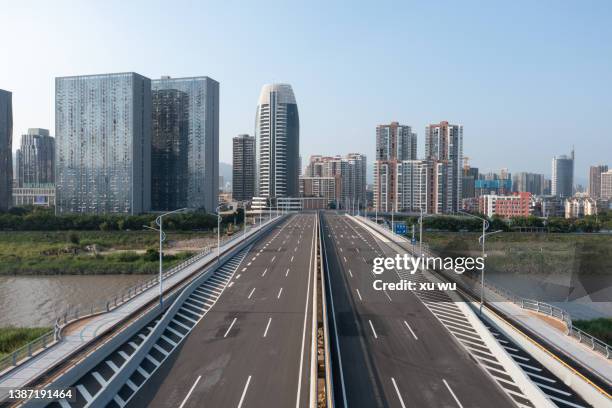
253, 348
389, 350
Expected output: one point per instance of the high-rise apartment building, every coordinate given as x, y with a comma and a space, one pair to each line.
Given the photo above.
35, 159
6, 149
594, 189
562, 184
354, 184
277, 128
244, 166
349, 173
202, 100
320, 187
394, 144
528, 182
468, 180
103, 144
412, 185
444, 149
606, 185
169, 149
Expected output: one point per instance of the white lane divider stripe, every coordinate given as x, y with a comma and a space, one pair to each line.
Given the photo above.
190, 391
264, 272
251, 294
401, 400
279, 293
350, 273
246, 387
452, 393
359, 294
267, 327
230, 327
411, 331
373, 331
287, 273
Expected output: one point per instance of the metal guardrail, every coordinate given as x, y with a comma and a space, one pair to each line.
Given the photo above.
73, 313
29, 350
545, 308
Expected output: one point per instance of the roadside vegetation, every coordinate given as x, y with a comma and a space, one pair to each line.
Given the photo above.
11, 338
527, 253
35, 241
591, 223
72, 252
600, 328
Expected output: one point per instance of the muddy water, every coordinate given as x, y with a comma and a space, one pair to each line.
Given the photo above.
37, 300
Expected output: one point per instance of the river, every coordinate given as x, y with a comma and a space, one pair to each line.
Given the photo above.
37, 300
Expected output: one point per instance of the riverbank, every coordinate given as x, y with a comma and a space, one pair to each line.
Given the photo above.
93, 252
11, 338
531, 253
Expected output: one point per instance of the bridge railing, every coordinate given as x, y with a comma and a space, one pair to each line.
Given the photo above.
541, 307
76, 312
30, 349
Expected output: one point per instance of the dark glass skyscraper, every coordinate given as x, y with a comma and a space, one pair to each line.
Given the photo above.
35, 159
277, 127
202, 178
170, 143
6, 146
243, 168
103, 144
563, 176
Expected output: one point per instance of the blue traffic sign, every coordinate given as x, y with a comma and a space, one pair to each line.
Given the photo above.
400, 228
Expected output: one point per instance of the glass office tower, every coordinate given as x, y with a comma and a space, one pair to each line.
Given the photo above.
103, 144
35, 159
169, 169
202, 138
277, 129
6, 153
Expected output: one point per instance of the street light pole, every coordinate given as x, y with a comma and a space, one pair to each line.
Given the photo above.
485, 226
162, 237
244, 222
218, 233
392, 222
421, 231
484, 235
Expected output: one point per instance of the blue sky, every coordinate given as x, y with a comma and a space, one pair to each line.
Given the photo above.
527, 79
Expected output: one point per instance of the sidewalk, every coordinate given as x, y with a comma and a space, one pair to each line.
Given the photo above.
91, 327
590, 359
594, 361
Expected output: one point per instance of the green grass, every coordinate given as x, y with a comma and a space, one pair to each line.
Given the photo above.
11, 338
67, 252
512, 252
600, 328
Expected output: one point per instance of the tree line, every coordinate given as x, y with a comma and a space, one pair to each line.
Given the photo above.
44, 219
590, 223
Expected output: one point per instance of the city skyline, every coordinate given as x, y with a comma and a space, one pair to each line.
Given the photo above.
504, 106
